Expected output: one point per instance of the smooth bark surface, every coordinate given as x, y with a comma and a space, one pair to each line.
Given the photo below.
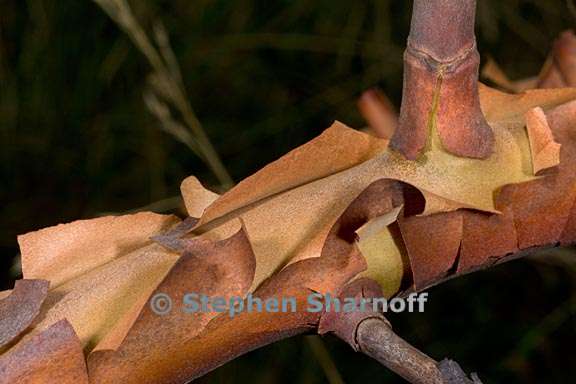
441, 65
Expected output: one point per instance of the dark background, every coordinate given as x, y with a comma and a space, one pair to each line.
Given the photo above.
263, 76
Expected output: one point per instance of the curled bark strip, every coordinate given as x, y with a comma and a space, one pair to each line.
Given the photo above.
485, 237
492, 72
433, 244
222, 269
379, 113
440, 82
20, 308
560, 69
545, 151
196, 197
52, 356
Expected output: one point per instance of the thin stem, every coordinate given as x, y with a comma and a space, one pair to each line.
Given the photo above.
377, 340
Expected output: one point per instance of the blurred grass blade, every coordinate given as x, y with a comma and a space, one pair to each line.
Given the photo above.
166, 83
323, 357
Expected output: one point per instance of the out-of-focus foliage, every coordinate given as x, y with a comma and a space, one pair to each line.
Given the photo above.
263, 77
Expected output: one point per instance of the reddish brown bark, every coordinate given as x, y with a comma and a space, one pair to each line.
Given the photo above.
560, 69
440, 82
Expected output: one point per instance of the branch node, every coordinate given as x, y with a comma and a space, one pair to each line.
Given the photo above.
440, 92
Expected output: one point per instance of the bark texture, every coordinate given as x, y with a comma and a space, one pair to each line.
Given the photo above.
440, 83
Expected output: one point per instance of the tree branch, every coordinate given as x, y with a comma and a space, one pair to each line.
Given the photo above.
377, 340
441, 66
371, 334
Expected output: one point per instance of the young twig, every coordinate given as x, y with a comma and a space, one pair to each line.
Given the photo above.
371, 333
376, 339
441, 65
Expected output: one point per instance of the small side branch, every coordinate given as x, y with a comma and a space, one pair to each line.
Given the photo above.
369, 332
376, 339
